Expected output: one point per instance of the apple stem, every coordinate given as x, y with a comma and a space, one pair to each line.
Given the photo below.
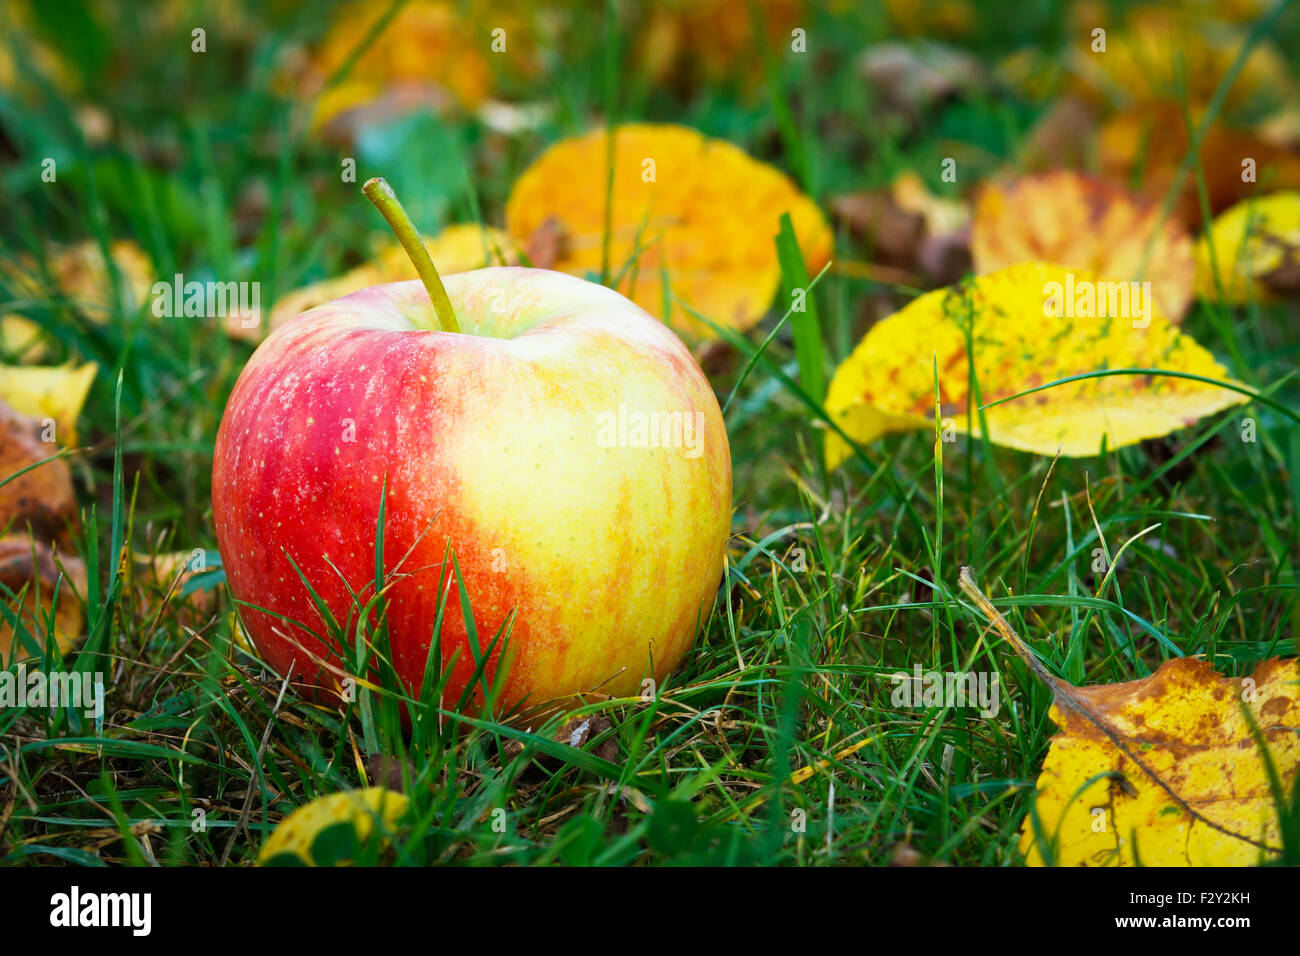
381, 194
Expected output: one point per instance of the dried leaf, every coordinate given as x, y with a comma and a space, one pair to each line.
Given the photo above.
699, 209
1074, 220
34, 570
941, 215
51, 394
1147, 146
423, 59
953, 18
690, 43
39, 502
38, 532
1169, 52
1162, 771
161, 579
297, 833
891, 233
1255, 246
909, 78
888, 383
81, 276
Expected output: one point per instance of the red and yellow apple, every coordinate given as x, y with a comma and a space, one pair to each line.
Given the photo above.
563, 443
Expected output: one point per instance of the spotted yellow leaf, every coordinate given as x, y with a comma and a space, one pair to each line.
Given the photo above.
699, 212
1255, 248
1098, 806
360, 808
1175, 769
1030, 325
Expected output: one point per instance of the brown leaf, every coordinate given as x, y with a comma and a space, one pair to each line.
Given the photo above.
39, 502
579, 730
891, 233
1148, 144
33, 569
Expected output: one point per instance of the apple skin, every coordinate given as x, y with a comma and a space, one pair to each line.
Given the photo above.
488, 441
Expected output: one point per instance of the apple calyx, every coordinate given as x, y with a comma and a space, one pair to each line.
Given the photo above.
385, 200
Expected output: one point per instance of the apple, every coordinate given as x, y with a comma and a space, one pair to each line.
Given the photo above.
561, 442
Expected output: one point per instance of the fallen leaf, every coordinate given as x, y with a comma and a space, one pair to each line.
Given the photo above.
910, 78
81, 275
1147, 146
38, 534
361, 809
892, 234
692, 43
40, 501
1061, 137
1167, 53
20, 339
34, 570
424, 58
941, 215
1184, 726
951, 18
160, 581
54, 395
1255, 247
698, 209
1077, 221
458, 248
888, 383
1165, 770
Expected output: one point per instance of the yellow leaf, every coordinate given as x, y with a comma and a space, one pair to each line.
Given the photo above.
698, 209
1170, 53
1185, 723
1138, 774
56, 393
1256, 248
81, 276
1074, 220
361, 808
20, 338
422, 59
1020, 342
941, 215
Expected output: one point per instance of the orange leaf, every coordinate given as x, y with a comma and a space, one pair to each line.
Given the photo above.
1074, 220
698, 209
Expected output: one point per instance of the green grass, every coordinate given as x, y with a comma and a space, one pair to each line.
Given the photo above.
835, 581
